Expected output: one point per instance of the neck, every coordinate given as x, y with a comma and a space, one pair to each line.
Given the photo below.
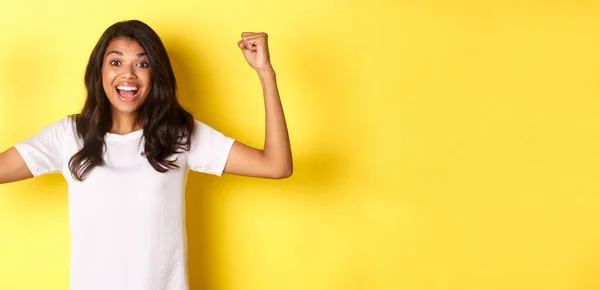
123, 124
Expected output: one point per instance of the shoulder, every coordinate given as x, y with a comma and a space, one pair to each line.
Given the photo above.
205, 135
200, 126
67, 125
60, 129
68, 121
203, 130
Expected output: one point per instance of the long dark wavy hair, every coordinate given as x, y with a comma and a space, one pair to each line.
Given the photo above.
167, 126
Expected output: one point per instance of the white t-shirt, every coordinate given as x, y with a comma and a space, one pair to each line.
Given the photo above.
127, 220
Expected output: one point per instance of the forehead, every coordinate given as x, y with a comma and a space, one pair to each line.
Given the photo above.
125, 46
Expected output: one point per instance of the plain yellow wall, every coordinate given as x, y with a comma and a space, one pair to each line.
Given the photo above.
445, 145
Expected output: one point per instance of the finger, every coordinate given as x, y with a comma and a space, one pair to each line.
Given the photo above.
254, 42
253, 35
250, 44
244, 34
245, 46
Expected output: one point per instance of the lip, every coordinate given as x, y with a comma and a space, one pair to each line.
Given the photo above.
128, 84
135, 97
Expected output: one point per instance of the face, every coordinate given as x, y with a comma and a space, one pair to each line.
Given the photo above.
126, 75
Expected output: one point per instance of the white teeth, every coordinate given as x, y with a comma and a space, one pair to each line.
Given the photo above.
127, 88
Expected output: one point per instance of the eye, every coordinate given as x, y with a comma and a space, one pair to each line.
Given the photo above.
115, 62
143, 65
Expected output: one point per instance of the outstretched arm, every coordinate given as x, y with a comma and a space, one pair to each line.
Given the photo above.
13, 167
275, 159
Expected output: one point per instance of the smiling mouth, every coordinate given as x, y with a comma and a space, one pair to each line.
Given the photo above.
127, 93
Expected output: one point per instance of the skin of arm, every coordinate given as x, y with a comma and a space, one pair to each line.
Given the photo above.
275, 159
13, 167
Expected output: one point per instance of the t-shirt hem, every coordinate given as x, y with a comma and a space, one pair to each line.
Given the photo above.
223, 159
22, 149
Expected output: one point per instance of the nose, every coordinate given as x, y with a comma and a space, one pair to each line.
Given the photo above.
129, 72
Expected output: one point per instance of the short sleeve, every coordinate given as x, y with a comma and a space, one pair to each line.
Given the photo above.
209, 150
44, 152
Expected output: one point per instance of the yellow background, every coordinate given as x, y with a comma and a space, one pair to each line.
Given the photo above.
438, 144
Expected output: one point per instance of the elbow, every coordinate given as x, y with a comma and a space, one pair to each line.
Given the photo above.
280, 168
283, 173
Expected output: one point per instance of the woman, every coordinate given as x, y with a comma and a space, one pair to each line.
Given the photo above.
125, 158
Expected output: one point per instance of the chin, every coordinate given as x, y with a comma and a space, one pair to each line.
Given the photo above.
125, 108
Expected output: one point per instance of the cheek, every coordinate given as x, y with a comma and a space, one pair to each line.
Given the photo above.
147, 75
107, 77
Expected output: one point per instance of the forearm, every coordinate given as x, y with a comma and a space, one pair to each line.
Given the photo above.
277, 149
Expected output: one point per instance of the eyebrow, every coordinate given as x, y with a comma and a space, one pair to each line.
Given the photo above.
121, 54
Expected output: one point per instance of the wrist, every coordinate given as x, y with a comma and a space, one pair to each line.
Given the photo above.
266, 71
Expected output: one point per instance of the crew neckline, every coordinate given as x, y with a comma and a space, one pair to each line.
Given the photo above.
133, 135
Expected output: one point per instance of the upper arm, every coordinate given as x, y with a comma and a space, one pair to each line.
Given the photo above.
13, 167
209, 149
41, 154
215, 153
247, 161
